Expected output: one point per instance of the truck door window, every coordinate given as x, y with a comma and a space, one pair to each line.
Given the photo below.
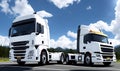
87, 38
40, 28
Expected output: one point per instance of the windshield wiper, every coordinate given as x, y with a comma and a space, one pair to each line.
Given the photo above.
15, 34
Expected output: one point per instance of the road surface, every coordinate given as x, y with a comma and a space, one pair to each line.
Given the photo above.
10, 66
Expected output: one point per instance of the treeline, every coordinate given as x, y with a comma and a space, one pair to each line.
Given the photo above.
4, 51
117, 52
59, 49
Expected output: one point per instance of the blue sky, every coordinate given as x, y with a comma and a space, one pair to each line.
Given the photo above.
65, 16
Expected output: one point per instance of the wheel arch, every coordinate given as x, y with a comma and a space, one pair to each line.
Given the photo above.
88, 53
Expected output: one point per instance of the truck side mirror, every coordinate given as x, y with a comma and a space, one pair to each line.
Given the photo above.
9, 32
37, 33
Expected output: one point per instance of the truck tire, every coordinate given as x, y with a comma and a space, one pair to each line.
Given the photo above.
107, 63
21, 63
43, 58
61, 59
87, 60
68, 62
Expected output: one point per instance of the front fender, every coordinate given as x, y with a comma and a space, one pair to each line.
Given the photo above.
40, 49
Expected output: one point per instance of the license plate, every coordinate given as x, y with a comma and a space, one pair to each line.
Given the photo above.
18, 57
108, 58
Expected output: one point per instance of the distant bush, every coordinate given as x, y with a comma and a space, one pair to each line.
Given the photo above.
117, 52
4, 51
59, 49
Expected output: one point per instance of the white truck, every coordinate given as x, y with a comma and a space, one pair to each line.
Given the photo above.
29, 41
92, 47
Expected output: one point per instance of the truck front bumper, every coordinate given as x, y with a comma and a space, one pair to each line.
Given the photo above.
101, 59
33, 59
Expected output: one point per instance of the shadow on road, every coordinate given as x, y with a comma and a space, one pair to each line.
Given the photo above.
29, 67
90, 70
13, 68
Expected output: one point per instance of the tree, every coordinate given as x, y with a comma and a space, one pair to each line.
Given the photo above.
117, 52
4, 51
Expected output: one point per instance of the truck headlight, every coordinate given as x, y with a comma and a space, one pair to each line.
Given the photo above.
9, 55
30, 54
32, 42
98, 55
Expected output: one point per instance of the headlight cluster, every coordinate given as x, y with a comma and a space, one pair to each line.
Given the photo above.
98, 55
10, 54
30, 54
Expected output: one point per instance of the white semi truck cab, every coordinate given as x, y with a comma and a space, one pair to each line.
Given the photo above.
92, 47
29, 39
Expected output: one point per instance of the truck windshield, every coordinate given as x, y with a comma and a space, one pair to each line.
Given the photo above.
23, 28
95, 37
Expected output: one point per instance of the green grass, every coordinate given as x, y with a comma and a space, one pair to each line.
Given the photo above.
118, 60
4, 59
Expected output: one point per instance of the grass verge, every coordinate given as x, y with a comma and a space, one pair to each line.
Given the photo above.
118, 60
4, 59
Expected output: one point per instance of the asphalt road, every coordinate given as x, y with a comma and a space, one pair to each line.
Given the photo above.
10, 66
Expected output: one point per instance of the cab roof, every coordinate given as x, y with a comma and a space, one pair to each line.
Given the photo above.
99, 33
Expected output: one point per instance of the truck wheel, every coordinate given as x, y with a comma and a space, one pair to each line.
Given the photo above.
61, 59
43, 58
21, 63
107, 63
67, 60
87, 60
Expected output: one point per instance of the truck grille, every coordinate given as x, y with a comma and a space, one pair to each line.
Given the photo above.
107, 56
107, 52
20, 43
19, 49
105, 48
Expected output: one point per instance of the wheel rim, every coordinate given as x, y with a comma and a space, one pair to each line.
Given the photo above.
87, 60
62, 59
67, 59
44, 59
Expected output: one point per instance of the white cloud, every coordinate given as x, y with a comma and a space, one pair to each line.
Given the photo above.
63, 42
43, 14
4, 41
63, 3
89, 8
5, 7
72, 34
101, 25
115, 24
22, 7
